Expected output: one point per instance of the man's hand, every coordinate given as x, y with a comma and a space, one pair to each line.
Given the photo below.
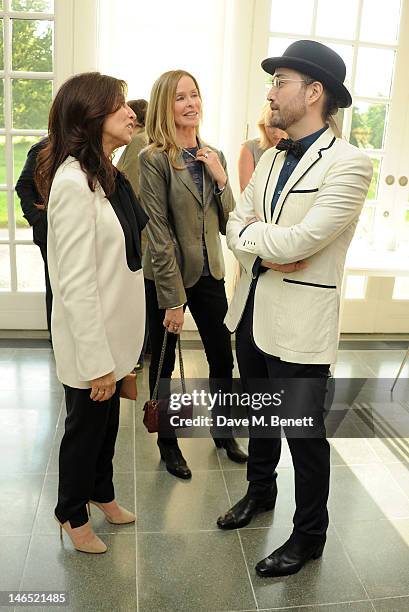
103, 388
286, 268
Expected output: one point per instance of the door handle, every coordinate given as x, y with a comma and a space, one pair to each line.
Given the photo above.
390, 179
403, 181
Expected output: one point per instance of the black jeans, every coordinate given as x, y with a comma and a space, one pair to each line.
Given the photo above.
310, 455
86, 453
208, 304
48, 292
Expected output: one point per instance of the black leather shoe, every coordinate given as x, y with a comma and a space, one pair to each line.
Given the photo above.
175, 462
233, 450
291, 556
242, 513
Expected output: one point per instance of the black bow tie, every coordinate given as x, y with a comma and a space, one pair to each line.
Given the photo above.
289, 145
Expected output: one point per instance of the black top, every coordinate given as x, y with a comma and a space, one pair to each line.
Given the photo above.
132, 218
29, 196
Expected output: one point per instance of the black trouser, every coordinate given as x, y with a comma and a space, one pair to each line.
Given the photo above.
86, 453
48, 292
310, 455
208, 304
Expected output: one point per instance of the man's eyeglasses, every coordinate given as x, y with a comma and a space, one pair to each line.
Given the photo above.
277, 82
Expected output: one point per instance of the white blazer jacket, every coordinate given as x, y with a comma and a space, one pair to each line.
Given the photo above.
98, 314
296, 316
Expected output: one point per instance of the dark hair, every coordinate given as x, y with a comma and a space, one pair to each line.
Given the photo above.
140, 108
75, 128
330, 106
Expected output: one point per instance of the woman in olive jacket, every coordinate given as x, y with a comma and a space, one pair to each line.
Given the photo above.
186, 193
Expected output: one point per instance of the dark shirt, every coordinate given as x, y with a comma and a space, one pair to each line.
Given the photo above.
132, 218
195, 168
29, 196
291, 163
288, 168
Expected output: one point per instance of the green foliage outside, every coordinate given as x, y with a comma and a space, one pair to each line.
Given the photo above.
32, 5
373, 188
368, 127
21, 145
32, 51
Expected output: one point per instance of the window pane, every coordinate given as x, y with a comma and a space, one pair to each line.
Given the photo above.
1, 103
374, 72
4, 268
277, 45
21, 145
40, 6
294, 16
355, 288
1, 46
32, 45
2, 160
4, 230
23, 229
368, 125
364, 231
343, 26
31, 103
373, 187
380, 21
30, 268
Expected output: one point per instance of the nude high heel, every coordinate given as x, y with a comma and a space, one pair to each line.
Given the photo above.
114, 513
83, 538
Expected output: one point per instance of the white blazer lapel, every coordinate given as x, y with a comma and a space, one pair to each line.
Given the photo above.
311, 157
272, 177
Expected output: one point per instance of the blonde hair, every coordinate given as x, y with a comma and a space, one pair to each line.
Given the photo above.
160, 119
261, 124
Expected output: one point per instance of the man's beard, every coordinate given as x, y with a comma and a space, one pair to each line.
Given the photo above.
283, 119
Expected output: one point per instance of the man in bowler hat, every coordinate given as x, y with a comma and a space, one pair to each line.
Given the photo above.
301, 205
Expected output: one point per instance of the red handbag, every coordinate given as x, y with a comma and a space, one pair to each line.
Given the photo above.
154, 408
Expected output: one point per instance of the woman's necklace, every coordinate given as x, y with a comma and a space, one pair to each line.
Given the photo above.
203, 174
189, 153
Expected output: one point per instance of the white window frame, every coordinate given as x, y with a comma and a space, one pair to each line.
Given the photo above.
75, 50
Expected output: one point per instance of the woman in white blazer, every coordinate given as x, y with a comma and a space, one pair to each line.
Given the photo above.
98, 317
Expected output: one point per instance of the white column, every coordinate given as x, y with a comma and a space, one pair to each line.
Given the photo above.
76, 38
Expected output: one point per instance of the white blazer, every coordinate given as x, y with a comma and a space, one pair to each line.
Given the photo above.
296, 316
98, 313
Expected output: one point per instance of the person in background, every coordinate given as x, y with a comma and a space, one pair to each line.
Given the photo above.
252, 150
186, 193
98, 316
34, 211
128, 164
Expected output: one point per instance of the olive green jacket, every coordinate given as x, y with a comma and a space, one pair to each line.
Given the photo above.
177, 220
128, 163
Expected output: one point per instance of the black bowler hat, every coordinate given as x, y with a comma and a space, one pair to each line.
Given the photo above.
317, 61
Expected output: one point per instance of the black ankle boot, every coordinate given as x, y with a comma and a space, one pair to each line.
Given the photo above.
175, 462
233, 450
291, 556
